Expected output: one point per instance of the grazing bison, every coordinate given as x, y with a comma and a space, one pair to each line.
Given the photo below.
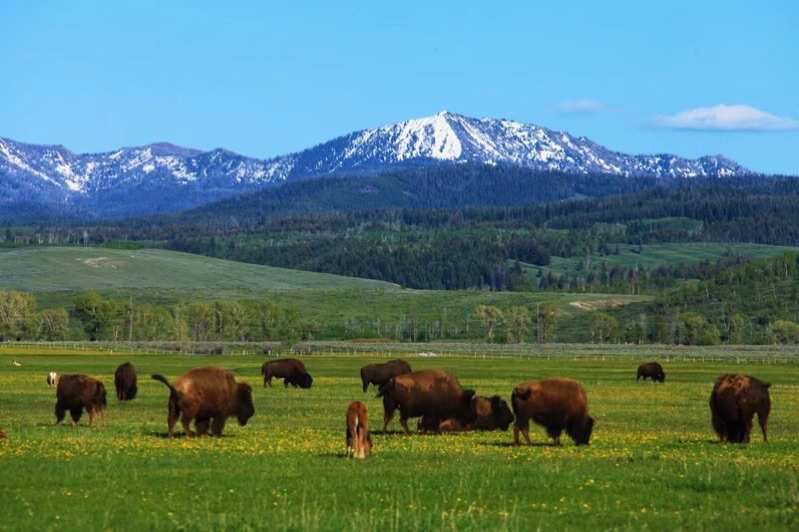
379, 374
734, 401
291, 370
359, 441
556, 404
651, 370
487, 413
125, 382
52, 379
208, 396
76, 392
433, 393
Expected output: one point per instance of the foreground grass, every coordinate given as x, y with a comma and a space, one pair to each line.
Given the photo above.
652, 463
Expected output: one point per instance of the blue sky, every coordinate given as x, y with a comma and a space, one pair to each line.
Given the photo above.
692, 78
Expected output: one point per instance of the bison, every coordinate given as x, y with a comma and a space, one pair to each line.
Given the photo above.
76, 393
291, 370
487, 413
125, 382
651, 370
734, 401
52, 379
557, 405
379, 374
433, 393
359, 441
207, 396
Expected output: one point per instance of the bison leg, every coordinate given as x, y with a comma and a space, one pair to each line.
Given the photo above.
60, 412
76, 413
388, 412
348, 437
404, 423
186, 422
218, 425
762, 419
554, 433
201, 425
171, 420
521, 426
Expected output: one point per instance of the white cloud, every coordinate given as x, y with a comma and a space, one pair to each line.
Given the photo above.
582, 106
724, 117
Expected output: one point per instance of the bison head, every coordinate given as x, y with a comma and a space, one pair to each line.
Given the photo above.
304, 380
500, 412
581, 431
245, 408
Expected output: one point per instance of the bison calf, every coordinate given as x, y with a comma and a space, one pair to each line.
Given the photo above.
734, 401
291, 370
557, 405
359, 441
207, 396
651, 370
76, 393
125, 382
380, 374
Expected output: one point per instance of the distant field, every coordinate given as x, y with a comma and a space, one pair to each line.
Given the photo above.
50, 269
653, 462
342, 307
654, 255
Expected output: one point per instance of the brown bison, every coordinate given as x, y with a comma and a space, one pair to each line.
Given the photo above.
432, 392
208, 396
379, 374
125, 382
76, 392
359, 441
291, 370
557, 405
734, 401
651, 370
487, 413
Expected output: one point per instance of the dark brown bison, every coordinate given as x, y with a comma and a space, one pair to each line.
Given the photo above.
379, 374
486, 413
432, 392
125, 382
557, 405
208, 396
76, 392
734, 401
291, 370
651, 370
359, 441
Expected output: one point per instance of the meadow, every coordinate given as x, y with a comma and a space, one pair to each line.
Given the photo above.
653, 462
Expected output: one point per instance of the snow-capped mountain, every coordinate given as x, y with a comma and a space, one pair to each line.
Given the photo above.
164, 177
450, 137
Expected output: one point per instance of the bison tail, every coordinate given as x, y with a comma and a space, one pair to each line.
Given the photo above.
161, 378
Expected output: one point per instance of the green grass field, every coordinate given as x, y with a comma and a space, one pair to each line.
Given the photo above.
652, 464
654, 255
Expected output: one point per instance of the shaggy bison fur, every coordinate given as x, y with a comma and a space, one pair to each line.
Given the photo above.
734, 401
487, 413
651, 370
125, 382
432, 393
76, 393
359, 441
207, 396
291, 370
557, 405
379, 374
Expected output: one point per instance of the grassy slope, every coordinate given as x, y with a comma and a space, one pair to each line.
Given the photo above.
654, 255
652, 463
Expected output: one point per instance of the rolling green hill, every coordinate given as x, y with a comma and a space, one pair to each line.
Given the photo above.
52, 269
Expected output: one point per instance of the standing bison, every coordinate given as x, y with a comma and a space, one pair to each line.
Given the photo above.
557, 405
125, 382
432, 393
651, 370
207, 396
291, 370
379, 374
359, 441
76, 393
734, 401
486, 413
